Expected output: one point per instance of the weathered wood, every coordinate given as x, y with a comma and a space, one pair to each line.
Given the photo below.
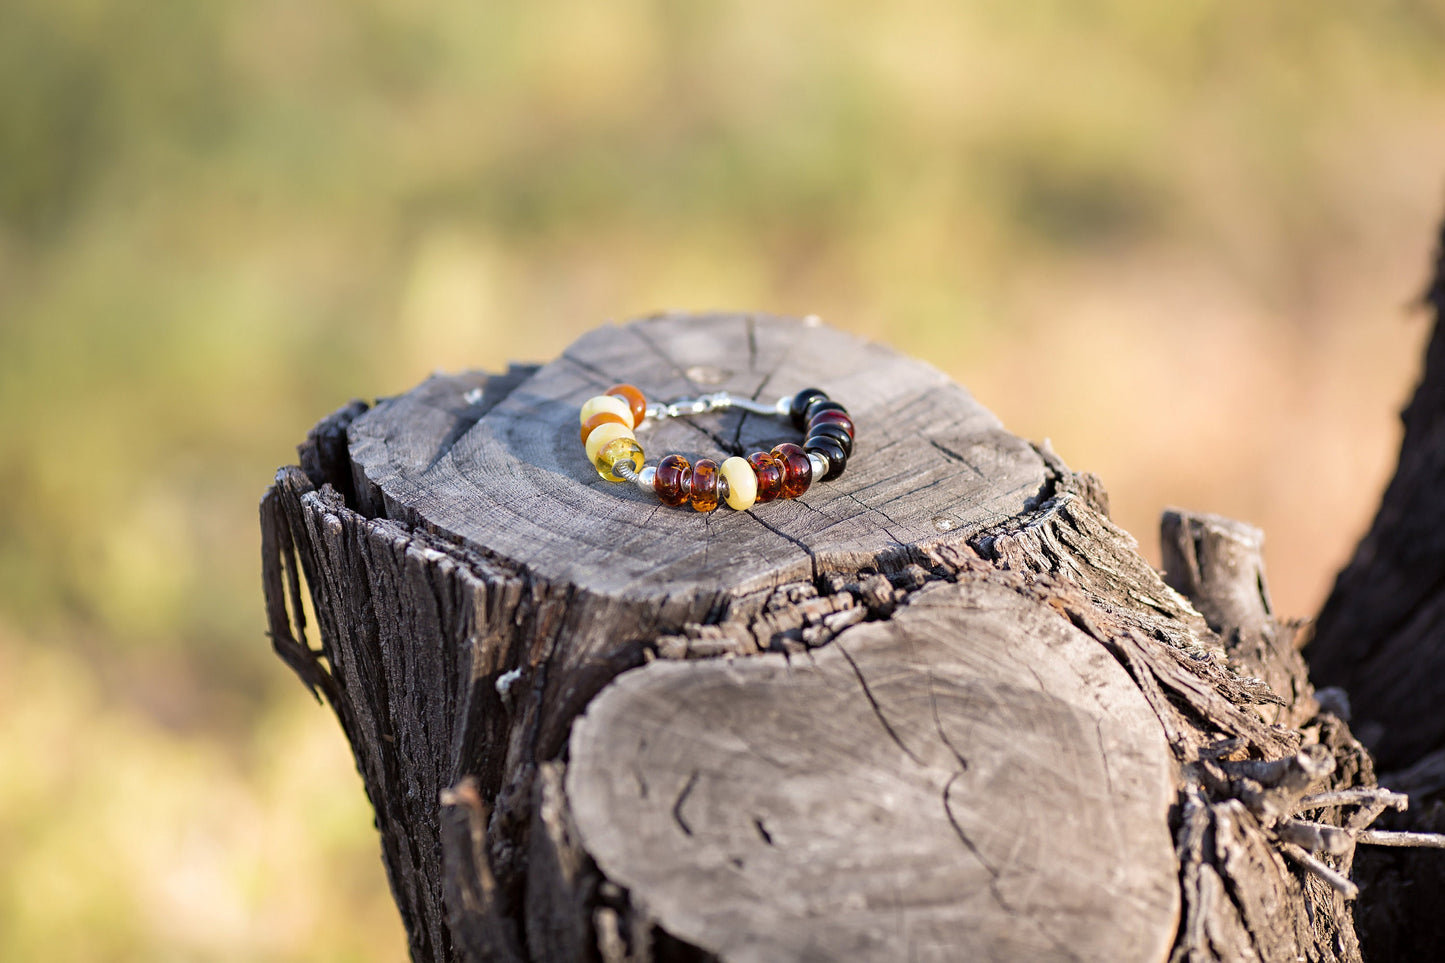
937, 707
971, 779
1381, 638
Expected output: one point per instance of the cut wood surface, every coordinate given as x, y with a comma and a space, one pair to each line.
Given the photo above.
936, 708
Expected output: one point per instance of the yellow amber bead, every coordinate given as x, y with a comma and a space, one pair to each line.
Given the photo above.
742, 483
600, 403
602, 434
615, 452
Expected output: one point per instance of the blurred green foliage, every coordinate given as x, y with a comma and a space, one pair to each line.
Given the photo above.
1146, 229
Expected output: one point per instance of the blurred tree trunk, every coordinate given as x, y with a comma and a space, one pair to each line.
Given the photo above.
937, 708
1381, 637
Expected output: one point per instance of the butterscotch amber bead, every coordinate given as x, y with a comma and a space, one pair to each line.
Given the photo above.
797, 470
770, 475
702, 490
832, 417
672, 481
634, 398
615, 452
612, 403
603, 434
602, 418
742, 483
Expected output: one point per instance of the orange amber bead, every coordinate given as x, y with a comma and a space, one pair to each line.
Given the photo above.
702, 490
602, 418
635, 400
673, 480
770, 475
797, 470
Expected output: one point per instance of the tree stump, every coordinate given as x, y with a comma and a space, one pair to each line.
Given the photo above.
936, 708
1381, 637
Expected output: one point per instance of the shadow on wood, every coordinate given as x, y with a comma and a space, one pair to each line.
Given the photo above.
936, 708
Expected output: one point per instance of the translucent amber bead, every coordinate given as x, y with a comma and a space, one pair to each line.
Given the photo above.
702, 489
602, 418
769, 472
615, 452
797, 470
600, 403
832, 417
634, 399
602, 434
672, 481
742, 483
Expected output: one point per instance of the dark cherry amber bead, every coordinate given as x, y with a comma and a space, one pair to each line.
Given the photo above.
703, 487
797, 470
673, 480
837, 458
831, 418
602, 418
770, 475
798, 407
837, 432
634, 399
819, 405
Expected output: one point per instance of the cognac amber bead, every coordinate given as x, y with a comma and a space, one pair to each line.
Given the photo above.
602, 434
635, 401
702, 489
672, 481
831, 417
770, 475
602, 418
742, 483
797, 470
615, 452
598, 403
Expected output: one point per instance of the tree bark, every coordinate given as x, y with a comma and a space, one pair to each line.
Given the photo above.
936, 708
1381, 638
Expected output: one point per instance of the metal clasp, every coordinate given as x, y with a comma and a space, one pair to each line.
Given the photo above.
701, 405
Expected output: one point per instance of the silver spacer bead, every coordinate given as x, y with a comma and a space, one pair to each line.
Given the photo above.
819, 461
644, 478
784, 407
722, 488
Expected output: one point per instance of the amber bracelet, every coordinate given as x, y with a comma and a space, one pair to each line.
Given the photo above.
609, 419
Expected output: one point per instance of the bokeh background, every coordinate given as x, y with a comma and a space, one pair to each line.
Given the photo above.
1182, 240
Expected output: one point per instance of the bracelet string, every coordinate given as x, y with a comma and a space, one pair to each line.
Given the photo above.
610, 420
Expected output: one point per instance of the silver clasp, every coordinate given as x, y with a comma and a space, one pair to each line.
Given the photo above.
718, 400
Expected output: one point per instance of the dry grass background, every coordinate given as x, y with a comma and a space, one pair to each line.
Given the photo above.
1180, 240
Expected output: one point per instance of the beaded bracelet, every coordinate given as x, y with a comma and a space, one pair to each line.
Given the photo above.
608, 421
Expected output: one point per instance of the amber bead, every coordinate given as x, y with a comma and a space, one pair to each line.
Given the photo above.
834, 431
602, 418
798, 407
819, 405
597, 403
702, 489
673, 480
831, 417
742, 483
837, 458
602, 434
770, 475
615, 452
797, 470
634, 399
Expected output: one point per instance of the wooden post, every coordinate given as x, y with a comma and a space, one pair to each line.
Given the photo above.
937, 708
